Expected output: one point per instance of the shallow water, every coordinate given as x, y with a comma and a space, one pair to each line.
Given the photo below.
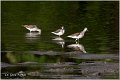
100, 42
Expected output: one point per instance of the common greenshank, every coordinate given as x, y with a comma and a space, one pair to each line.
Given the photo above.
78, 35
32, 28
59, 32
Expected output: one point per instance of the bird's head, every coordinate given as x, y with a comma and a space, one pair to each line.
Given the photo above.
85, 29
62, 27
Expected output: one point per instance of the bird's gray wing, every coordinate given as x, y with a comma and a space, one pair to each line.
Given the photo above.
57, 31
75, 34
32, 26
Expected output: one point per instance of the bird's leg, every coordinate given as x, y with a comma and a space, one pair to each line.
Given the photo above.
75, 40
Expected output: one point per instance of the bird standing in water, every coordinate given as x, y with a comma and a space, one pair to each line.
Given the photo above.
59, 32
32, 28
78, 35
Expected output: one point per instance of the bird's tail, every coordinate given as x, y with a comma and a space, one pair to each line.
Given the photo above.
69, 36
53, 32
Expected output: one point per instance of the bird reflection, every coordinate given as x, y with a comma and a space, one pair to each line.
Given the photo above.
32, 36
59, 41
77, 47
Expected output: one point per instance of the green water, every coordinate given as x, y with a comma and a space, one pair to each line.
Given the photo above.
101, 19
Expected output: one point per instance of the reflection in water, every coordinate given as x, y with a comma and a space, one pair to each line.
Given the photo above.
77, 47
32, 36
59, 41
